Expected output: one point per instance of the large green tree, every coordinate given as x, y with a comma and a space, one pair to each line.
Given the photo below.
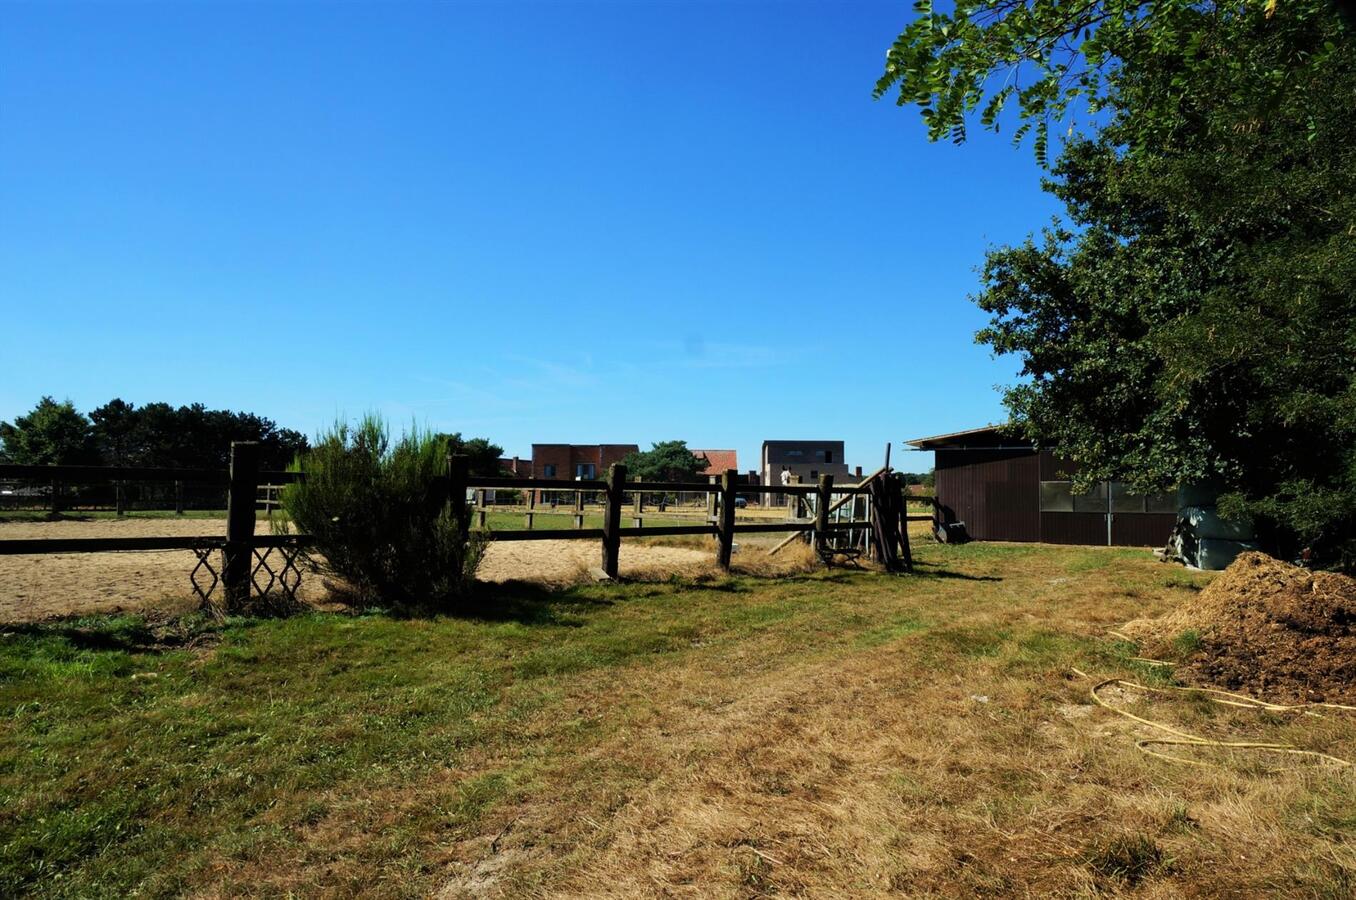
51, 433
664, 461
1192, 318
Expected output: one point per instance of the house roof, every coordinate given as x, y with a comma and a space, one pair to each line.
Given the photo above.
717, 461
988, 437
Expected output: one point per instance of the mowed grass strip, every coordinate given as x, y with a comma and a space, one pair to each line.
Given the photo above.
844, 734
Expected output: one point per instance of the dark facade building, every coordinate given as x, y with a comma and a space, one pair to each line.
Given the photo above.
1004, 489
808, 459
568, 462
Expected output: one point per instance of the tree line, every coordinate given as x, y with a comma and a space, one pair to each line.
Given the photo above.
161, 435
119, 433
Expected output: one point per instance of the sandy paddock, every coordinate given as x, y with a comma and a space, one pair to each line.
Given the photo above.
40, 587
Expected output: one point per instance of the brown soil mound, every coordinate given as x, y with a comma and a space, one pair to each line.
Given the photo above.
1268, 628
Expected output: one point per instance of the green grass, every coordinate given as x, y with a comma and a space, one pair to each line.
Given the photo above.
340, 754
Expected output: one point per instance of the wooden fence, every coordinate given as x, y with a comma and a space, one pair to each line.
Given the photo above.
243, 479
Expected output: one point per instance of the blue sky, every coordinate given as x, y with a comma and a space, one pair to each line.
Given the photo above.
584, 222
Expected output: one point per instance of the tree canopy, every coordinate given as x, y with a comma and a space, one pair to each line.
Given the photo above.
664, 461
1192, 318
1059, 65
51, 434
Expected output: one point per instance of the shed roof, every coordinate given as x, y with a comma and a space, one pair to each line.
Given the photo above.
987, 437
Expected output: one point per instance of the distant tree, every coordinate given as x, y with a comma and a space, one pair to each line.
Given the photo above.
117, 433
924, 478
482, 456
51, 434
664, 461
155, 434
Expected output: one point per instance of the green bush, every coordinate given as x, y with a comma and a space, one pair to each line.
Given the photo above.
380, 519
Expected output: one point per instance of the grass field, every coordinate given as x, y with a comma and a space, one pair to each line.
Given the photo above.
830, 734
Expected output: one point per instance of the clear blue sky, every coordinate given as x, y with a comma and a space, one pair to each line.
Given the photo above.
617, 222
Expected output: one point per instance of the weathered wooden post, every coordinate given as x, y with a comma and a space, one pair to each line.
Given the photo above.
637, 508
119, 502
242, 491
579, 509
481, 494
903, 507
824, 495
178, 498
531, 506
616, 485
711, 499
727, 518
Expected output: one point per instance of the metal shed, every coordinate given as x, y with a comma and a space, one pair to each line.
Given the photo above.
1004, 489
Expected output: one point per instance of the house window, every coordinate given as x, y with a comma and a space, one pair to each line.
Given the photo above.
548, 471
584, 470
814, 473
1056, 496
828, 456
795, 452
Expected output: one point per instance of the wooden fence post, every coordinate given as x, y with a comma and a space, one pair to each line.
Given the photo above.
178, 498
578, 509
240, 500
481, 494
903, 508
825, 495
727, 518
531, 506
711, 500
616, 484
119, 501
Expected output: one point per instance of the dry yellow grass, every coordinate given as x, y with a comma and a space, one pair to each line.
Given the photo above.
813, 735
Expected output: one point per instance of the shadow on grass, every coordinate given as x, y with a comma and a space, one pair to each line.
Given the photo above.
526, 602
128, 634
930, 570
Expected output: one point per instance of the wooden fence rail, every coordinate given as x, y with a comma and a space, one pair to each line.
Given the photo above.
243, 479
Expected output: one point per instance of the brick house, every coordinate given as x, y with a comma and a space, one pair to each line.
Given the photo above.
568, 462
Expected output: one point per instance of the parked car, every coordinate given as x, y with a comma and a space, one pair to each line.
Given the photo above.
741, 502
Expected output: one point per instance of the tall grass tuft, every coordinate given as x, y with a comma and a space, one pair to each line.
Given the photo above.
378, 512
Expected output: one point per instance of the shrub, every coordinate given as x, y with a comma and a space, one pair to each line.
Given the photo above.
380, 519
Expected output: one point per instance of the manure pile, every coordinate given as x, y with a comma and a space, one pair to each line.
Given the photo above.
1268, 628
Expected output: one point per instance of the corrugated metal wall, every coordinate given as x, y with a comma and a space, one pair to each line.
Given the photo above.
996, 493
